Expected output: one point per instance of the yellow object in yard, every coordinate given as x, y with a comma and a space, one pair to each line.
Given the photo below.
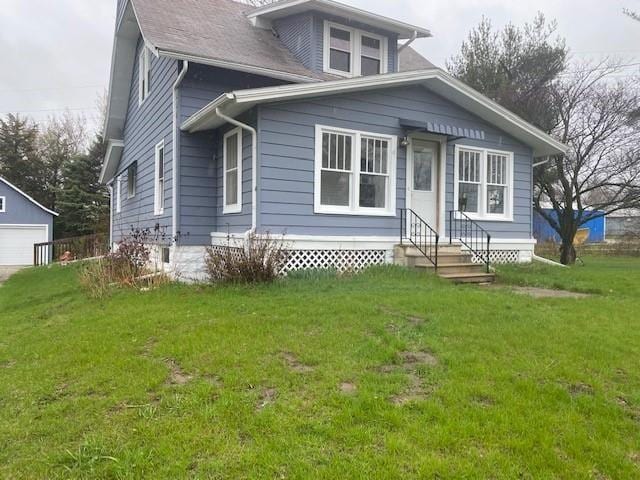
582, 235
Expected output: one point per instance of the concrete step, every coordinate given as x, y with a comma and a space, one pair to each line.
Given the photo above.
454, 268
470, 277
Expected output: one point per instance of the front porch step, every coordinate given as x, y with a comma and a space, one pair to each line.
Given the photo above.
453, 264
470, 277
453, 268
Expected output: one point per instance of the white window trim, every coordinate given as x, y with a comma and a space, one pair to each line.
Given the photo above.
158, 194
119, 194
3, 207
354, 201
356, 50
144, 71
236, 207
482, 214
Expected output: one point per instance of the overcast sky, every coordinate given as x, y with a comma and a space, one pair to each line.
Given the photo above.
56, 53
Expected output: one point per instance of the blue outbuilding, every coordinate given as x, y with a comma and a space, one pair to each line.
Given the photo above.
544, 233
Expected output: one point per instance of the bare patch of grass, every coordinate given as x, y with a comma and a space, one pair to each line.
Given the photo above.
267, 397
348, 388
176, 375
295, 364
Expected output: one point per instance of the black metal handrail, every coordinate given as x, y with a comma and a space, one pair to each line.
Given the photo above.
419, 234
471, 235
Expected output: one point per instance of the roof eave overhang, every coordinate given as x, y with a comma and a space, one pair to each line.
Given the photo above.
112, 158
440, 82
264, 15
266, 72
28, 197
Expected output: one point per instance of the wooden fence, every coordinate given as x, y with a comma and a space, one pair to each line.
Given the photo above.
70, 249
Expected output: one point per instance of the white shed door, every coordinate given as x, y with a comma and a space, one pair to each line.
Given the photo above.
16, 243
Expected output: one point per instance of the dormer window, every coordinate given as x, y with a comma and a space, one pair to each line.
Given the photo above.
340, 50
144, 70
349, 52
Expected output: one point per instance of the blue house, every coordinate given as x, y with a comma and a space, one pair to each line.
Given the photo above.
314, 121
23, 223
544, 232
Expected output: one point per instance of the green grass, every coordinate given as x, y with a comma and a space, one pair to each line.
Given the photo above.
522, 387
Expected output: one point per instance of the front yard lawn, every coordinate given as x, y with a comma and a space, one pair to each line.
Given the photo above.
388, 374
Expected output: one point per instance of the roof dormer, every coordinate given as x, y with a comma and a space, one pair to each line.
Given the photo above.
337, 39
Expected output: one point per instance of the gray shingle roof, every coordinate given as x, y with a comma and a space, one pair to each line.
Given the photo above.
410, 60
215, 30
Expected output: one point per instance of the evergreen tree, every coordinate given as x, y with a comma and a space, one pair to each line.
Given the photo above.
20, 162
516, 67
83, 203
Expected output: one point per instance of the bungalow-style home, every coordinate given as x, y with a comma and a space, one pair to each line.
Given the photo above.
316, 122
23, 223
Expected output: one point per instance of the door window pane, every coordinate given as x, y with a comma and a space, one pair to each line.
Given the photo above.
423, 170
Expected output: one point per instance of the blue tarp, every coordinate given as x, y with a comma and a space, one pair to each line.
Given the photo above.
543, 232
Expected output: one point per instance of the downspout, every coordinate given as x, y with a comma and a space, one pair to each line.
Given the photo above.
175, 174
110, 187
254, 165
408, 42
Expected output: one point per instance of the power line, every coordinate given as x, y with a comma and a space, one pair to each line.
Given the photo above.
47, 89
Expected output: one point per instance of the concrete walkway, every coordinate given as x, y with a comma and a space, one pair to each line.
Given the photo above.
6, 272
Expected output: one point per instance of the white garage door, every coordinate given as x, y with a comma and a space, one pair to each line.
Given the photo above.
16, 243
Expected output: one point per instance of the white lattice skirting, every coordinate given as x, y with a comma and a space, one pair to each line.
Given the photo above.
500, 257
341, 260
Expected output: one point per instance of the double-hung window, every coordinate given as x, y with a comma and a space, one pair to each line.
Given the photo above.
144, 74
232, 169
355, 172
132, 180
159, 185
118, 193
350, 52
484, 183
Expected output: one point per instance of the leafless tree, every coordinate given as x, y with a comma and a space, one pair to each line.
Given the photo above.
599, 119
631, 14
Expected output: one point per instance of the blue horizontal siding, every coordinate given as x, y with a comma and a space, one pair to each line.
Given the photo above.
21, 211
146, 125
287, 156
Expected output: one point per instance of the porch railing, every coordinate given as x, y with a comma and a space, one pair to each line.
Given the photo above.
470, 234
419, 234
70, 249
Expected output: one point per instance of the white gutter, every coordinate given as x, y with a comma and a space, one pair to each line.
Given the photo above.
542, 163
174, 147
254, 165
408, 42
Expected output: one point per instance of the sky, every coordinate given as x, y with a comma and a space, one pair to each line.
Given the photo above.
55, 55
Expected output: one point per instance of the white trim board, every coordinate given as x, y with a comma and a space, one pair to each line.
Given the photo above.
10, 185
262, 16
434, 79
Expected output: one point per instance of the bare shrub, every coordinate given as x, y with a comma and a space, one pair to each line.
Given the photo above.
260, 261
126, 267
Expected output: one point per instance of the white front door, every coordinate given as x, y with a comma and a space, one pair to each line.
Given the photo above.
423, 181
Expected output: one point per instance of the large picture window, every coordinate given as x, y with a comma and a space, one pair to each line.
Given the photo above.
345, 185
483, 183
350, 52
232, 166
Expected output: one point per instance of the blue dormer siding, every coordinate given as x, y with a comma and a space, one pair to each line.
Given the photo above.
303, 35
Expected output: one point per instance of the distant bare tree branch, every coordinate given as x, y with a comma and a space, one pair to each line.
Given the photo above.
631, 14
599, 121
